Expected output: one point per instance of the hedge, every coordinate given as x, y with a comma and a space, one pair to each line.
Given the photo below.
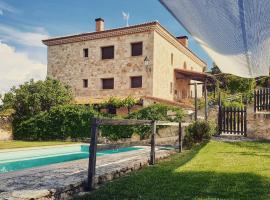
73, 122
61, 122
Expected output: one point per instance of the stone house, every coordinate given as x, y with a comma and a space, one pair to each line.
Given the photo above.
144, 61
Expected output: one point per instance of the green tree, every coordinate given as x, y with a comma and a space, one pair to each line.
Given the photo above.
33, 97
215, 69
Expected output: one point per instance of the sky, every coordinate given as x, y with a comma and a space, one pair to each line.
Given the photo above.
24, 23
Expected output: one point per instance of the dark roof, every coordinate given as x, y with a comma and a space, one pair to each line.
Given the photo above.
193, 75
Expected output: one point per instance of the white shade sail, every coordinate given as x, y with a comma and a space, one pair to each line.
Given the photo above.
234, 33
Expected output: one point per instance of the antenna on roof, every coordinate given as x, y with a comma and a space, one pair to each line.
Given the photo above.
126, 17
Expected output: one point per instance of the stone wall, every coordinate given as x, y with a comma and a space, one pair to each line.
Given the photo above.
163, 72
67, 63
258, 125
5, 128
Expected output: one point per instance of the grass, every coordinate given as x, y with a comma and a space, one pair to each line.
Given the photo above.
21, 144
216, 170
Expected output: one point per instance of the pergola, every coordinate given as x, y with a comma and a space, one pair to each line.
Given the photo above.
203, 78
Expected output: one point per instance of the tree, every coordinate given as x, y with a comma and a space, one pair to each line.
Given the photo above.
33, 97
215, 69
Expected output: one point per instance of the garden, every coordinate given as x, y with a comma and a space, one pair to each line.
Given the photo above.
44, 114
211, 170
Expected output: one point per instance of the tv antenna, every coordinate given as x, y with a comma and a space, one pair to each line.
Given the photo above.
126, 17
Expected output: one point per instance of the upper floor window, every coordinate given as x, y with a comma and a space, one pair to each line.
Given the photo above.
85, 83
136, 81
171, 58
85, 53
107, 52
136, 49
108, 83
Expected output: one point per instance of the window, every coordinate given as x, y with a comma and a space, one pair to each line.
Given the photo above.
136, 49
85, 53
171, 58
136, 81
85, 83
107, 52
107, 83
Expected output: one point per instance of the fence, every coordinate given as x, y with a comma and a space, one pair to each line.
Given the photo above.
96, 122
232, 120
262, 100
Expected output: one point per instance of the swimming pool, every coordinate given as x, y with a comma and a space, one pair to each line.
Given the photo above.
35, 157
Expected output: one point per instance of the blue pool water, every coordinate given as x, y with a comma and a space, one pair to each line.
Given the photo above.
18, 160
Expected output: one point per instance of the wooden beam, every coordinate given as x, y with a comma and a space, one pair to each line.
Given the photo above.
153, 143
162, 123
205, 101
123, 122
196, 102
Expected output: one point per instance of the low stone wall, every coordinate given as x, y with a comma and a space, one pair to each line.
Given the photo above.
258, 125
165, 136
5, 128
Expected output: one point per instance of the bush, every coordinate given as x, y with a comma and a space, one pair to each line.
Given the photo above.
198, 131
73, 122
61, 122
152, 112
31, 98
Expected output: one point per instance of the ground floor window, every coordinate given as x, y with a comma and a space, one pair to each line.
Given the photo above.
85, 83
108, 83
136, 81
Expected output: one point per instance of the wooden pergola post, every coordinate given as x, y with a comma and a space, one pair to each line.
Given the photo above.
205, 101
196, 102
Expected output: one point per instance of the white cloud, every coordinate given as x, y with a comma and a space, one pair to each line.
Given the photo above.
33, 39
1, 12
17, 67
6, 7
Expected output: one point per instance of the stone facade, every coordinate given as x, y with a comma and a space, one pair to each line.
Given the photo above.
258, 124
67, 63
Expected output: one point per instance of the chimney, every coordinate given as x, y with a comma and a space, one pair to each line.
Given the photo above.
99, 24
183, 40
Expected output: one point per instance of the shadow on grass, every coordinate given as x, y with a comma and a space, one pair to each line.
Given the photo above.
162, 182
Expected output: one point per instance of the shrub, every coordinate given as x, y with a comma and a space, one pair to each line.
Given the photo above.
61, 122
32, 97
233, 104
153, 112
198, 131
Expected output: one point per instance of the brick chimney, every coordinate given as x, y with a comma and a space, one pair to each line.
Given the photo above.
183, 40
99, 24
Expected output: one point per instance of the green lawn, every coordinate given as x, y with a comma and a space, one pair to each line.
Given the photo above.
216, 170
21, 144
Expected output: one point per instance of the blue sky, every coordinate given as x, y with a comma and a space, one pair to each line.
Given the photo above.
23, 23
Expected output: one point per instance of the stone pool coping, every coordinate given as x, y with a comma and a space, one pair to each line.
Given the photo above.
62, 180
40, 147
